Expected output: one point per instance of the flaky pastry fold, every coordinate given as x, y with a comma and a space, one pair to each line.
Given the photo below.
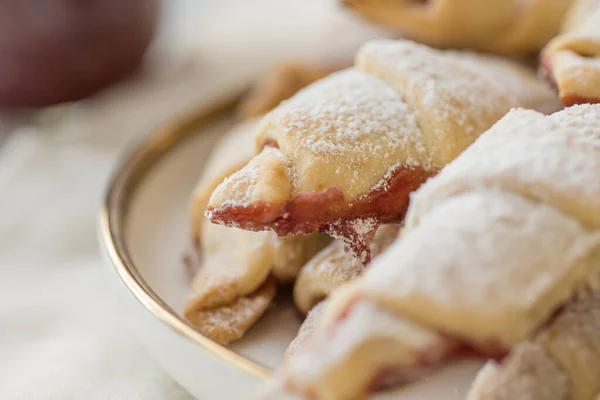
240, 270
233, 288
497, 26
343, 155
334, 267
500, 253
571, 61
562, 361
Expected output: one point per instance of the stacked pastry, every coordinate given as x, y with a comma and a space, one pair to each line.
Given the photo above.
313, 174
500, 253
570, 61
342, 156
327, 271
240, 270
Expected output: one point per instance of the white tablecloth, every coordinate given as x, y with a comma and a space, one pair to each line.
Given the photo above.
62, 335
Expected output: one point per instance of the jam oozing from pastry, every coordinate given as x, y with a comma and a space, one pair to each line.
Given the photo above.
357, 236
328, 211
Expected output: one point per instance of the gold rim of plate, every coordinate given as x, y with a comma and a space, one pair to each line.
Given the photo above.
131, 170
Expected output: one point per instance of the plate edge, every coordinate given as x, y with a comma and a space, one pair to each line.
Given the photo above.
130, 170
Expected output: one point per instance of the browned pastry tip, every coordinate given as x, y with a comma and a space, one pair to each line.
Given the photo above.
567, 98
570, 62
229, 323
499, 26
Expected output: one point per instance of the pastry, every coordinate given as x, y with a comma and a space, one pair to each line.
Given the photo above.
282, 82
561, 362
232, 288
492, 247
343, 154
498, 26
229, 322
306, 331
330, 269
333, 267
571, 61
235, 285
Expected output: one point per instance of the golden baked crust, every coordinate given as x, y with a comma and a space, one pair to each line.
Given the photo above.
354, 357
280, 83
235, 264
528, 372
571, 61
343, 155
230, 322
233, 288
333, 267
485, 260
330, 269
562, 362
228, 156
306, 332
498, 26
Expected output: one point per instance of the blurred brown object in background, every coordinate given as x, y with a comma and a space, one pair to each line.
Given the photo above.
496, 26
282, 82
54, 51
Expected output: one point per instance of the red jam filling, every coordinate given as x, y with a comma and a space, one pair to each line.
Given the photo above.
328, 211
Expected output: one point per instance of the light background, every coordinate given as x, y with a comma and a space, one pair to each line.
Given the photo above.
62, 334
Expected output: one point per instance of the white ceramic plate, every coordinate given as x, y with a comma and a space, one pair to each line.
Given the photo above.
144, 233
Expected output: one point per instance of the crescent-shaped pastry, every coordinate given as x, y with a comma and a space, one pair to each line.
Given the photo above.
498, 26
232, 288
306, 331
562, 361
492, 248
571, 61
282, 82
333, 267
330, 269
343, 155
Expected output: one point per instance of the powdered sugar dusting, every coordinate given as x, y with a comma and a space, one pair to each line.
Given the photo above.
584, 118
364, 322
246, 185
363, 227
553, 159
335, 264
348, 107
334, 267
306, 332
229, 322
346, 131
242, 184
456, 96
357, 234
384, 183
